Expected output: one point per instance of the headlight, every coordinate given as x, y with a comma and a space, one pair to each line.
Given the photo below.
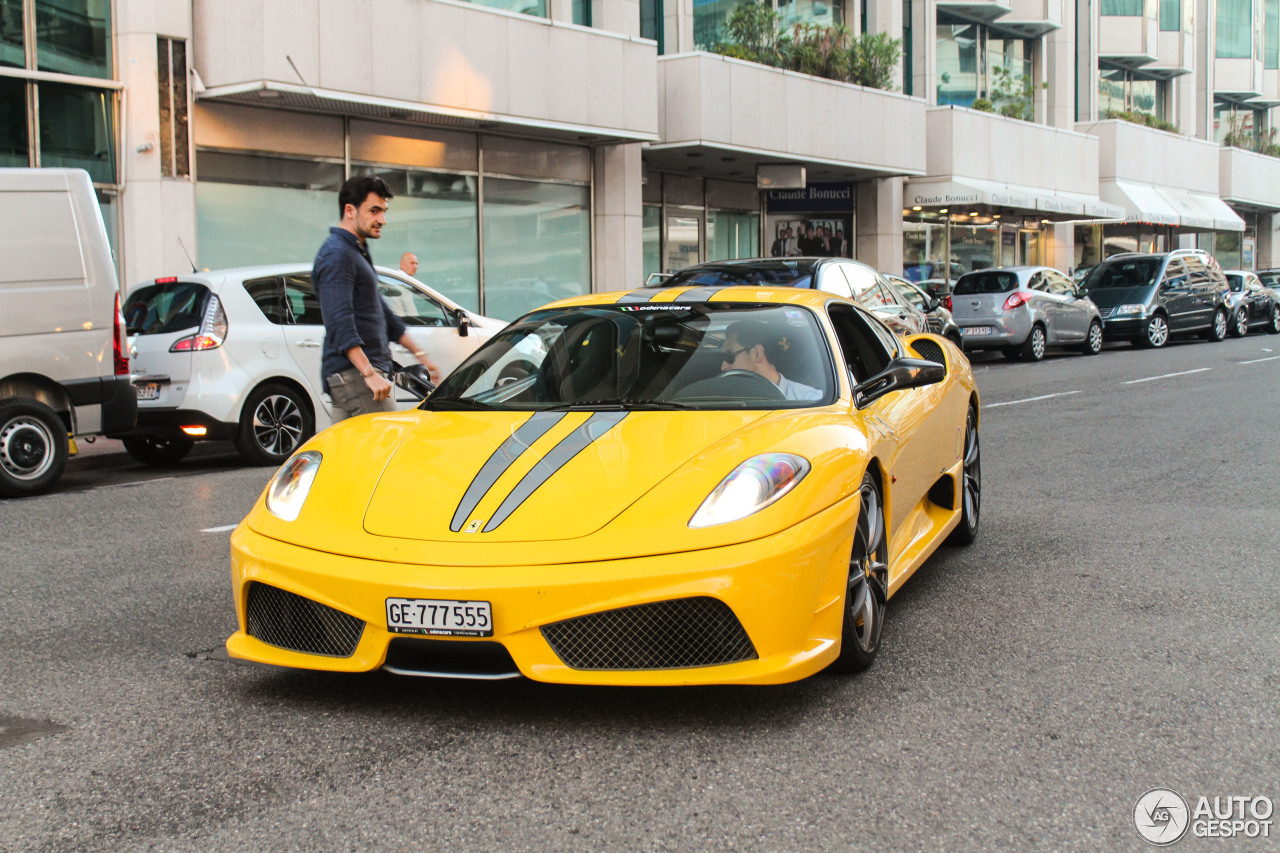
751, 487
1131, 309
288, 489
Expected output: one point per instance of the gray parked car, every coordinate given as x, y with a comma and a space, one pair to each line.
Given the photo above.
1023, 310
937, 317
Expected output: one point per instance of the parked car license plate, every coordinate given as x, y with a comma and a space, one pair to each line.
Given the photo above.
147, 391
439, 618
970, 331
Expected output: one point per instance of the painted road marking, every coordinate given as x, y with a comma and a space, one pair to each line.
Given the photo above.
223, 529
1257, 360
1168, 375
1029, 399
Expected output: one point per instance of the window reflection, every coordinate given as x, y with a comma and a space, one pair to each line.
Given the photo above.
74, 37
13, 123
77, 130
12, 48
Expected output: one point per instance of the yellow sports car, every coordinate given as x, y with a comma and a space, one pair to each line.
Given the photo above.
658, 487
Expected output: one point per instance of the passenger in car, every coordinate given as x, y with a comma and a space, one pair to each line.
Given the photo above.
754, 345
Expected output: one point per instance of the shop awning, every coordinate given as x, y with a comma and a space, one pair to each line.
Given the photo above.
1141, 203
959, 191
1171, 206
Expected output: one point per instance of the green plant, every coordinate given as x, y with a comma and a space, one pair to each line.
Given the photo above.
982, 105
1143, 119
876, 55
1239, 136
1013, 95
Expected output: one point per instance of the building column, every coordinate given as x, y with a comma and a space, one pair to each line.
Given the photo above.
157, 213
617, 251
1267, 254
878, 223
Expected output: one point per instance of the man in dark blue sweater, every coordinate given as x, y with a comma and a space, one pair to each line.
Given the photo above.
358, 324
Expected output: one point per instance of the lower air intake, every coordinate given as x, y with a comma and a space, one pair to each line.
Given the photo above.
299, 624
927, 349
677, 634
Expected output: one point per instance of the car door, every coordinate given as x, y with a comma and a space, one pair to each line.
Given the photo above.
1256, 298
1199, 296
303, 330
1175, 295
1045, 304
429, 322
1075, 313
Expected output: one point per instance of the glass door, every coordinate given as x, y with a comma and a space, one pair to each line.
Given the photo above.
683, 239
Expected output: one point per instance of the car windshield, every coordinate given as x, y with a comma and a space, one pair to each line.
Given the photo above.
986, 281
1235, 281
779, 273
647, 356
1137, 272
1270, 278
158, 309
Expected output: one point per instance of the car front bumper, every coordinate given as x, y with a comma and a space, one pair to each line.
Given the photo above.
786, 591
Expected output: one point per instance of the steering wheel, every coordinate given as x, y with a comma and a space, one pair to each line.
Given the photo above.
733, 384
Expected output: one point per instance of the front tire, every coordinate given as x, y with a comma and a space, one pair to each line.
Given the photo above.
33, 447
970, 486
1240, 327
868, 584
1155, 333
1093, 341
158, 450
275, 422
1273, 321
1218, 330
1033, 349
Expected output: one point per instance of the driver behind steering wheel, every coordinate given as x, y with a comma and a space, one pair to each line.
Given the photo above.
753, 345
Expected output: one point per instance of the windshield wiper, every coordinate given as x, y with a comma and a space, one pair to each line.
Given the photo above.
619, 406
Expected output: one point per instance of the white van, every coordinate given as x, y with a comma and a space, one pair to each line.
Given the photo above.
64, 368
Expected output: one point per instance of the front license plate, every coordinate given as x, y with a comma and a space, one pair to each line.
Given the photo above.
439, 618
149, 391
972, 331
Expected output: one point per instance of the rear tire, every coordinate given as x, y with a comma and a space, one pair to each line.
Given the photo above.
275, 422
33, 447
1218, 330
1093, 341
1273, 321
868, 584
1033, 349
159, 450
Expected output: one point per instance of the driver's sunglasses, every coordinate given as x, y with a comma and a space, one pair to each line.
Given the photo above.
730, 357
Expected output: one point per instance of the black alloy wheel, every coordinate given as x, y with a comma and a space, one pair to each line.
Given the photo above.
1093, 340
970, 486
33, 447
1240, 327
1155, 332
868, 585
159, 450
1273, 321
276, 421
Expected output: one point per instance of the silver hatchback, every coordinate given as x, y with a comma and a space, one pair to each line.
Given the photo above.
1023, 310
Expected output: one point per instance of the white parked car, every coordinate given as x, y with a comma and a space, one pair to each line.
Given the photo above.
235, 355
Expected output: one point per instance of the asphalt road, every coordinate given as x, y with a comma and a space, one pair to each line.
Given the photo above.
1113, 629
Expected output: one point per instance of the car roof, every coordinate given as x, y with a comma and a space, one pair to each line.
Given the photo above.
258, 271
727, 293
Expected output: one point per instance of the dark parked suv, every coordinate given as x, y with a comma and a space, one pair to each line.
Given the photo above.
1147, 298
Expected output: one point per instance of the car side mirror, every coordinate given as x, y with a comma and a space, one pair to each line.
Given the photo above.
656, 279
464, 323
933, 304
901, 373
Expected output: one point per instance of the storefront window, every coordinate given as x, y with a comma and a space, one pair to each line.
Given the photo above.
1088, 246
1235, 29
924, 250
262, 210
537, 244
732, 235
1133, 238
13, 123
975, 247
435, 216
1225, 247
77, 129
74, 37
651, 239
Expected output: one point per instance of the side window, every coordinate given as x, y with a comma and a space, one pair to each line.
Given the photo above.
1175, 272
1197, 272
1252, 284
864, 284
411, 305
913, 296
831, 279
1059, 284
267, 295
863, 348
1039, 281
302, 306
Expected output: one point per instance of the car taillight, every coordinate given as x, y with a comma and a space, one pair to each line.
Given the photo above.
118, 343
1017, 300
213, 330
946, 302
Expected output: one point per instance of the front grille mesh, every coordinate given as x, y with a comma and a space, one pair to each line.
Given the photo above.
927, 349
292, 622
1107, 312
676, 634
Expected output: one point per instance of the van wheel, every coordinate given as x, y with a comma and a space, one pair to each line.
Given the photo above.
275, 422
158, 450
33, 447
1218, 330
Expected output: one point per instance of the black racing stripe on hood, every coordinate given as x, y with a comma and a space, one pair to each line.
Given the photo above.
507, 453
639, 296
572, 444
697, 294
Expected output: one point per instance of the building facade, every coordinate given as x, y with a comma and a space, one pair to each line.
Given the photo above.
544, 148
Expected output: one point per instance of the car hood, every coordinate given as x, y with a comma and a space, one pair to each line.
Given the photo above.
1110, 297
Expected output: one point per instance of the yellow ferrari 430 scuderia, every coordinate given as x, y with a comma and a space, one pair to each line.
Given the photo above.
658, 487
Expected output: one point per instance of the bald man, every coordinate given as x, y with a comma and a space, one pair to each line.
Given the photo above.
409, 263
